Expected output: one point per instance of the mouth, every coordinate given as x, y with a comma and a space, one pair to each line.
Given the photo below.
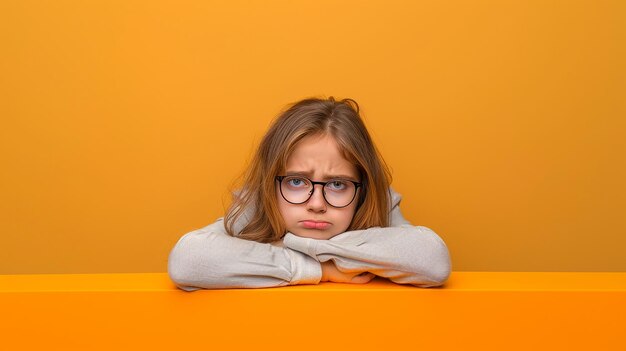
320, 225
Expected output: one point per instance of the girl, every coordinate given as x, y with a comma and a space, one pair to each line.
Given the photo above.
315, 205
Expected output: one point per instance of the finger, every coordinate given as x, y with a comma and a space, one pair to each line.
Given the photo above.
366, 278
370, 276
362, 278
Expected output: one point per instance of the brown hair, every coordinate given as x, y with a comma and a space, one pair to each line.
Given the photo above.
310, 117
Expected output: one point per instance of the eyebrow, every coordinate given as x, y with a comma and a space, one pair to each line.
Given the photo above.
325, 177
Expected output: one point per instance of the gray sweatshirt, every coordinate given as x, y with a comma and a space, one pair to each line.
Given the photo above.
209, 258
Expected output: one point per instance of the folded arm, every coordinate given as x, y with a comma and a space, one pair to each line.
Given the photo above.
403, 253
406, 255
209, 258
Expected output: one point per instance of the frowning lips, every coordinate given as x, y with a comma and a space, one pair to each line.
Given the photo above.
311, 224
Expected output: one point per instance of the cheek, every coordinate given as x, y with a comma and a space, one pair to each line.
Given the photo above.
285, 209
347, 216
281, 203
352, 212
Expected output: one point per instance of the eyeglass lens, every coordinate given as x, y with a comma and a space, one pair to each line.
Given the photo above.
338, 192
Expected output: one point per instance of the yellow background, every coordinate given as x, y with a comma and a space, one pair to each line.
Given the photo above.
125, 122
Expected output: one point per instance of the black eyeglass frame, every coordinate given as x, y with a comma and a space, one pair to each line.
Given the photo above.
357, 185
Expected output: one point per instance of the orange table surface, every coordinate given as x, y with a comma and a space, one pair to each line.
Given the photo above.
473, 310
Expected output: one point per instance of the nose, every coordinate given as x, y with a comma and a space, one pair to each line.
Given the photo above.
316, 202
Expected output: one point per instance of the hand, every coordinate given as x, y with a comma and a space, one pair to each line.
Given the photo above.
330, 273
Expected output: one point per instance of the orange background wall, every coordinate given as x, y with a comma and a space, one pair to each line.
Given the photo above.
125, 122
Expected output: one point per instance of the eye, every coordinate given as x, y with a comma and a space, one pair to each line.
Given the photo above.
296, 182
338, 185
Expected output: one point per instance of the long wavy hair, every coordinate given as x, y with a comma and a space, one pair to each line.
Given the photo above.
256, 200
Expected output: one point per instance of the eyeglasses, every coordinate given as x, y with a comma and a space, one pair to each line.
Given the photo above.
337, 192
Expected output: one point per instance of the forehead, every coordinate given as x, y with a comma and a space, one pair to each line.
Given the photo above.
319, 157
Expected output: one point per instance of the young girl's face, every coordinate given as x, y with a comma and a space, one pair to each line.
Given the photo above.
319, 159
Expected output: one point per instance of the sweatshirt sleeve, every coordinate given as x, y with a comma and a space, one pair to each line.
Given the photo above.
403, 253
209, 258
